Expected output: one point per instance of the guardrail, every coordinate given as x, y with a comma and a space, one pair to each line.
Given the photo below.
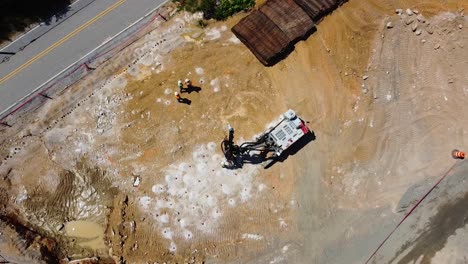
81, 68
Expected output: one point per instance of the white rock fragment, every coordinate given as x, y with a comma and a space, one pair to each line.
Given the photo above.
437, 46
136, 181
399, 11
415, 11
418, 32
282, 223
460, 26
414, 27
389, 25
252, 236
365, 77
409, 12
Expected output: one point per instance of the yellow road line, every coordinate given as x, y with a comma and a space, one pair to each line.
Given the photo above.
61, 41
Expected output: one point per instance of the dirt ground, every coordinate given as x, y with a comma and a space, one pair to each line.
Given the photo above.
383, 92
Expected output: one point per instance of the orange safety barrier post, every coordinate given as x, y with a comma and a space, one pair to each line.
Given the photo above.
457, 154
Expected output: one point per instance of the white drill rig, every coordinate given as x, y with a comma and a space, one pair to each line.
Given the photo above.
278, 138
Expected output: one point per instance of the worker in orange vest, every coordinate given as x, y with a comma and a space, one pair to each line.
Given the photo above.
188, 83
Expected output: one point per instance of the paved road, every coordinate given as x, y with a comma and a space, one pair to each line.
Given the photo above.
32, 35
65, 44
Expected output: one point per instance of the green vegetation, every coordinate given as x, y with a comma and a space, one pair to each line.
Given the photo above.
217, 9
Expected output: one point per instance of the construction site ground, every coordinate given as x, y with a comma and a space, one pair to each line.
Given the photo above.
384, 93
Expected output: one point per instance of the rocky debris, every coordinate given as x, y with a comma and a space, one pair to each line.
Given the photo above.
399, 11
31, 242
423, 41
409, 12
414, 27
409, 20
415, 11
418, 32
135, 246
389, 25
420, 18
365, 77
460, 26
365, 90
122, 229
437, 46
429, 30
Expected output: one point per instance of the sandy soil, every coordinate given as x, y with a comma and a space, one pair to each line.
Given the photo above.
384, 101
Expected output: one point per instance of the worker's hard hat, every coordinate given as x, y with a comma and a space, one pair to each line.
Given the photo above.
187, 80
179, 81
176, 93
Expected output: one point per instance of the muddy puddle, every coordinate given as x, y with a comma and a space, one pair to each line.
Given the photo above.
87, 234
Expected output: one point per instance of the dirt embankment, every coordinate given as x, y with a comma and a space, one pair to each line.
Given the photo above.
380, 100
383, 125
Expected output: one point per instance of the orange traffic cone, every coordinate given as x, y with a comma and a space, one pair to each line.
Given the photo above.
456, 154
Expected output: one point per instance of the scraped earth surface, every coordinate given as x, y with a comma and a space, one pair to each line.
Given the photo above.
384, 93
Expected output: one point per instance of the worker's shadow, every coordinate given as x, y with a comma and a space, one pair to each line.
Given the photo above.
191, 89
184, 101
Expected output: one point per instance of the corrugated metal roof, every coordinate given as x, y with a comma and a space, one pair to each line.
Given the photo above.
289, 17
271, 32
262, 36
317, 9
